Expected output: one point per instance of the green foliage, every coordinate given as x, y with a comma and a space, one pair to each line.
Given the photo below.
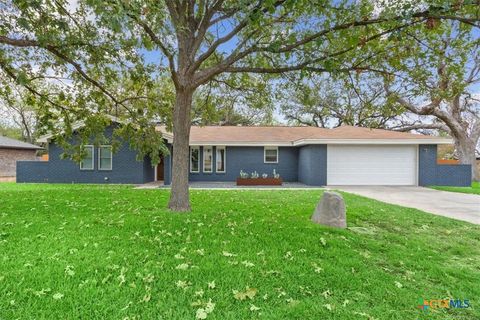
111, 252
433, 60
11, 132
235, 99
355, 100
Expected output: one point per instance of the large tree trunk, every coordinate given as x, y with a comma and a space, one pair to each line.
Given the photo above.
179, 196
466, 154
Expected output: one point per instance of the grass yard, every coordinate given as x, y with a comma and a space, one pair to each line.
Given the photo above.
474, 189
111, 252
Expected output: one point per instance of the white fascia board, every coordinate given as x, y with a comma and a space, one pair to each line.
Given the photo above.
242, 143
303, 142
167, 136
46, 137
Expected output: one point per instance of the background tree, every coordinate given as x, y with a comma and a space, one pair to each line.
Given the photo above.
355, 100
235, 99
230, 101
19, 113
96, 42
434, 72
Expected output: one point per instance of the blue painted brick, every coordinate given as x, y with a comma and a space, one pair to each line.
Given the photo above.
432, 174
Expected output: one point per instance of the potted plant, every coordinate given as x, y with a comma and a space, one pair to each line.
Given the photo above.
254, 179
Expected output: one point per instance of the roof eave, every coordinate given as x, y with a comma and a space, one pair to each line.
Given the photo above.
242, 143
302, 142
21, 148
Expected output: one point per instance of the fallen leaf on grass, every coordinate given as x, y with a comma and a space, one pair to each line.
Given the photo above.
254, 308
247, 264
317, 268
323, 241
328, 307
58, 296
228, 254
183, 266
182, 284
211, 285
201, 314
242, 295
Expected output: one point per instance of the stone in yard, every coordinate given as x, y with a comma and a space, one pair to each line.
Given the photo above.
330, 211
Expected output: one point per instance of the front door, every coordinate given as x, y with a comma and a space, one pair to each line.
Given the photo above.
160, 175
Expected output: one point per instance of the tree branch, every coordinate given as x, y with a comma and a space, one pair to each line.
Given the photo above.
235, 30
307, 65
4, 66
420, 126
155, 39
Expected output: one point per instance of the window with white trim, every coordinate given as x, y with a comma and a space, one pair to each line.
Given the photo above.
105, 158
270, 155
207, 159
194, 159
87, 161
220, 159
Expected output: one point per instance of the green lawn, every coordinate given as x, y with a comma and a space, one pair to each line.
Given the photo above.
474, 189
111, 252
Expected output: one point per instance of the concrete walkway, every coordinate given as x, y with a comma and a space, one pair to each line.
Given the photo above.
454, 205
230, 185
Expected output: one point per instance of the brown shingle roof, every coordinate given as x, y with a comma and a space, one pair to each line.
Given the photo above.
252, 134
290, 135
9, 143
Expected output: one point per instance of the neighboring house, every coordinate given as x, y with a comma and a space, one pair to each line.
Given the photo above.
11, 151
313, 156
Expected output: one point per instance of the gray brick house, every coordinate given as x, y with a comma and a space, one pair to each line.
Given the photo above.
11, 151
313, 156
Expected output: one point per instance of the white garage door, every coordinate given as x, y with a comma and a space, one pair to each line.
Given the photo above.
371, 164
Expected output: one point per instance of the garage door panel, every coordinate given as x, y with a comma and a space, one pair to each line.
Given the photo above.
371, 165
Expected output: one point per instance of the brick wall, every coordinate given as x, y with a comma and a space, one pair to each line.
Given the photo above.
249, 159
32, 171
9, 158
125, 168
431, 173
312, 165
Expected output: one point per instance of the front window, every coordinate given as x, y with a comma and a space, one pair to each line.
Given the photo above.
194, 159
87, 161
220, 158
207, 159
271, 155
105, 158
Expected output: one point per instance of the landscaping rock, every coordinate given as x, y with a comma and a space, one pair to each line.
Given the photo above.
330, 211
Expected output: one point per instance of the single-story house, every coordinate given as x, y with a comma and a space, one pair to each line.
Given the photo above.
11, 151
314, 156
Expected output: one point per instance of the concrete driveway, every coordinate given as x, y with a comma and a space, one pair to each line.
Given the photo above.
454, 205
